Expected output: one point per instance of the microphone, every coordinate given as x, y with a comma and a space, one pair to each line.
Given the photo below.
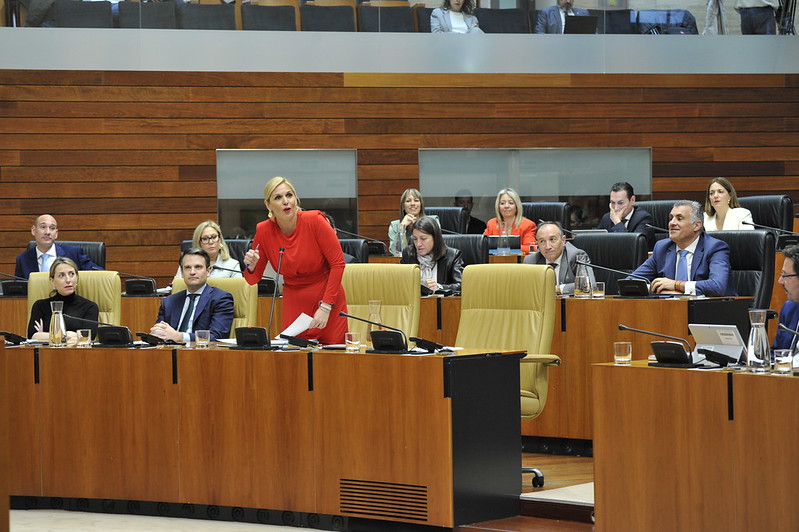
378, 247
274, 298
95, 322
658, 229
137, 285
9, 276
215, 267
109, 335
684, 341
11, 338
621, 272
777, 229
787, 329
14, 286
384, 341
447, 231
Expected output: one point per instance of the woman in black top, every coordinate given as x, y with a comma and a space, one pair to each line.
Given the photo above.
64, 279
441, 267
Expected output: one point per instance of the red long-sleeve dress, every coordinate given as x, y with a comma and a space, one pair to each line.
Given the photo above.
312, 267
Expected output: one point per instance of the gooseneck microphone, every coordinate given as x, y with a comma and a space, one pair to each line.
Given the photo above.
379, 245
14, 286
397, 345
109, 335
620, 272
777, 229
9, 276
95, 322
274, 298
656, 228
787, 329
684, 341
138, 285
215, 267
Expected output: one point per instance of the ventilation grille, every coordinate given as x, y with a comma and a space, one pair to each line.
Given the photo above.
383, 499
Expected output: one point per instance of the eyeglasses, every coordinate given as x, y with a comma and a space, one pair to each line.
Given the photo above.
209, 239
786, 275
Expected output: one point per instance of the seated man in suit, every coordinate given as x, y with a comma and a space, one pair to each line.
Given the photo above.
465, 201
39, 258
199, 307
553, 18
690, 261
624, 216
561, 255
789, 314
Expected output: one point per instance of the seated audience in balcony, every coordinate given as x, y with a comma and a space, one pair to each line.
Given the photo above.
455, 16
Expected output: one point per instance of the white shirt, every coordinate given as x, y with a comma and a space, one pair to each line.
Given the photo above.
457, 22
563, 15
690, 286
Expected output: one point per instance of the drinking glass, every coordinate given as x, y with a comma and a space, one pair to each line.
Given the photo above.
622, 353
84, 337
582, 287
352, 341
783, 362
598, 290
202, 339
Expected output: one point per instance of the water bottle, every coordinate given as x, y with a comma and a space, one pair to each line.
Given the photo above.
758, 354
58, 329
582, 283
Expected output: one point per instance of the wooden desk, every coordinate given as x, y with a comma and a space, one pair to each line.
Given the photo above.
672, 453
293, 431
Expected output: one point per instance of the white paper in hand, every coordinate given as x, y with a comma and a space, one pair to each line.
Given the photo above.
299, 325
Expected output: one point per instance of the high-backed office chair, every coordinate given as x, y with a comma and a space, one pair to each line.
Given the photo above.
76, 14
149, 15
206, 16
473, 248
395, 285
674, 21
237, 247
94, 250
245, 298
614, 21
751, 262
389, 18
510, 20
272, 15
357, 247
620, 251
659, 209
773, 211
102, 287
328, 15
549, 211
453, 219
421, 18
512, 306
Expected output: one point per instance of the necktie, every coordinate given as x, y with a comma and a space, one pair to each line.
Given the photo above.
184, 324
44, 262
682, 265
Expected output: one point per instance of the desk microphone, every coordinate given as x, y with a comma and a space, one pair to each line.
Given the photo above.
215, 267
109, 335
9, 276
620, 272
379, 245
684, 341
14, 286
384, 341
139, 285
95, 322
777, 229
787, 329
448, 232
658, 229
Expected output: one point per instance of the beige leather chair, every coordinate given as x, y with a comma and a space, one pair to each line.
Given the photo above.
512, 306
397, 286
245, 298
102, 287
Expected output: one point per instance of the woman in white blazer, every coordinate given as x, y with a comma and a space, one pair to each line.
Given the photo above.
455, 16
723, 212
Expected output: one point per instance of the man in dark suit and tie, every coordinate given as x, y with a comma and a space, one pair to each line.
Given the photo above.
199, 307
39, 258
690, 261
624, 216
561, 255
553, 18
789, 314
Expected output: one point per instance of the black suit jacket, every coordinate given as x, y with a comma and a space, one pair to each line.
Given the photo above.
637, 224
213, 311
449, 268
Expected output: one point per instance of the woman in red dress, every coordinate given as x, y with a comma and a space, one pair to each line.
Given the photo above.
312, 266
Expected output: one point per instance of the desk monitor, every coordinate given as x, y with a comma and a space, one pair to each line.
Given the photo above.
783, 241
580, 24
722, 339
587, 231
721, 311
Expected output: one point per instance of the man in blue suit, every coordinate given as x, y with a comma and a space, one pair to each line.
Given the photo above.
553, 18
789, 314
690, 261
39, 258
199, 307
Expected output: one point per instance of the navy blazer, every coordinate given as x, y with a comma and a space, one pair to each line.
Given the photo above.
789, 316
637, 224
27, 263
710, 267
213, 312
550, 21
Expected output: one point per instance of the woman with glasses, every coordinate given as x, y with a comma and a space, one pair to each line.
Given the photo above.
208, 236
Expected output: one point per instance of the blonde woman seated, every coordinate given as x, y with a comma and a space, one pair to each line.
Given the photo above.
399, 231
455, 16
509, 219
441, 266
723, 212
64, 280
208, 237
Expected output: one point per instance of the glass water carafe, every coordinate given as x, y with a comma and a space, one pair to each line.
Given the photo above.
374, 315
503, 244
58, 329
758, 355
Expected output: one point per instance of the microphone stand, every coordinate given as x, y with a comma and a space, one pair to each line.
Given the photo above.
394, 347
625, 328
656, 228
274, 298
215, 267
777, 229
621, 272
138, 285
14, 286
380, 246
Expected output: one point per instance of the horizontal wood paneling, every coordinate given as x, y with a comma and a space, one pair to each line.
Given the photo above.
129, 157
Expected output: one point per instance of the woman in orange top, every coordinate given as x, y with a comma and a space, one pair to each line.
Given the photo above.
509, 218
312, 266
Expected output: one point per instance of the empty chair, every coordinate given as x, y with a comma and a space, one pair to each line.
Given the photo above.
772, 211
674, 21
751, 262
150, 15
357, 247
659, 209
549, 211
503, 20
207, 16
614, 21
328, 15
473, 248
453, 219
272, 15
94, 250
421, 18
398, 19
75, 14
620, 251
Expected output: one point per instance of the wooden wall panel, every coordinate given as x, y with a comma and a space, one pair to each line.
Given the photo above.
129, 157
